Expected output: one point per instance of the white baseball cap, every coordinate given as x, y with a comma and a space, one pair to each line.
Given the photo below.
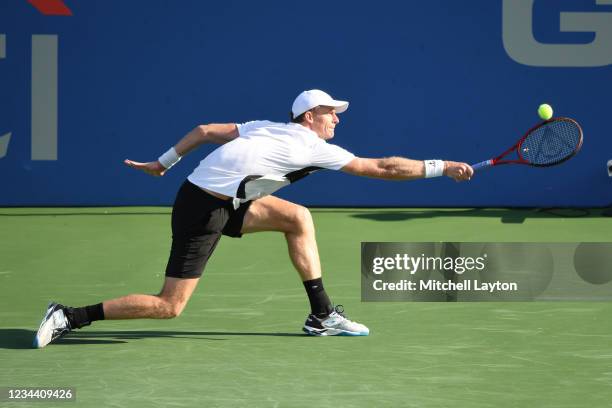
313, 98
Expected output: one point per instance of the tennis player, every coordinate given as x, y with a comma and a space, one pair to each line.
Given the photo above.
229, 193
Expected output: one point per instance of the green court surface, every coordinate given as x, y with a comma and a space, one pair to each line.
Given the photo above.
239, 341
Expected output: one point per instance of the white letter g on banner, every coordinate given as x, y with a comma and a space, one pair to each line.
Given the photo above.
522, 47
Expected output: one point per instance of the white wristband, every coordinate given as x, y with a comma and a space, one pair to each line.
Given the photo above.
434, 168
170, 158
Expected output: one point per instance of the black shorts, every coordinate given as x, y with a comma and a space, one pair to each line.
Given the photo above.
198, 221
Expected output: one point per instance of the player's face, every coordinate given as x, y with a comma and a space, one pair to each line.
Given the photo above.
324, 121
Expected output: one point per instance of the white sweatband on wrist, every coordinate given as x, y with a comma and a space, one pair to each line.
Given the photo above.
434, 168
170, 158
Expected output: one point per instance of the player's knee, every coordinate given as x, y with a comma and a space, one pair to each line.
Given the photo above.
170, 308
302, 219
175, 310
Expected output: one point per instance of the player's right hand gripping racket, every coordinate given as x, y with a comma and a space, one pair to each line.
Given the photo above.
550, 143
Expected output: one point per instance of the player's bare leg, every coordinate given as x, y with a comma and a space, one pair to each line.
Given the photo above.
274, 214
59, 320
169, 303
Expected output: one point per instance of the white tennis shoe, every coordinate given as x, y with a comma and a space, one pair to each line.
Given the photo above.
53, 326
334, 324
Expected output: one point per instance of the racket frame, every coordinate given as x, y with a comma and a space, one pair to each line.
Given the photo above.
517, 147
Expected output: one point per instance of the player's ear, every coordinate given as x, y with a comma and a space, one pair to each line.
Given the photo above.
309, 116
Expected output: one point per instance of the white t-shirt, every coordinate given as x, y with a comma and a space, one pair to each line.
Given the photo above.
265, 157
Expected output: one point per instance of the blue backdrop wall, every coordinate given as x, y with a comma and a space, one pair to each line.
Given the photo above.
86, 84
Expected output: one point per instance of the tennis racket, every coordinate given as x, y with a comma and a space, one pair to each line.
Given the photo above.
550, 143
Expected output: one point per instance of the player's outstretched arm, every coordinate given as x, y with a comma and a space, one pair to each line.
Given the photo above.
400, 168
217, 133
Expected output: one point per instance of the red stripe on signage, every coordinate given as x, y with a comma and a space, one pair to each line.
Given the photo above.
51, 7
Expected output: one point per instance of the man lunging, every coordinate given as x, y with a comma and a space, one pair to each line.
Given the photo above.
229, 193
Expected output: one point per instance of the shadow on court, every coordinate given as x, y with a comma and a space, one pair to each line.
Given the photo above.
18, 339
506, 216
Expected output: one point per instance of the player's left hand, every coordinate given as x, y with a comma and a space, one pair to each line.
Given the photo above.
152, 168
458, 171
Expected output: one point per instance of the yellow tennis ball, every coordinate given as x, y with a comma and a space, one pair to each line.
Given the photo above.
545, 111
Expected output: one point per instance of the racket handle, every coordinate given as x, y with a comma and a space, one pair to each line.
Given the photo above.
482, 164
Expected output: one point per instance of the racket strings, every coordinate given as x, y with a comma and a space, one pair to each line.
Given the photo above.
551, 143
